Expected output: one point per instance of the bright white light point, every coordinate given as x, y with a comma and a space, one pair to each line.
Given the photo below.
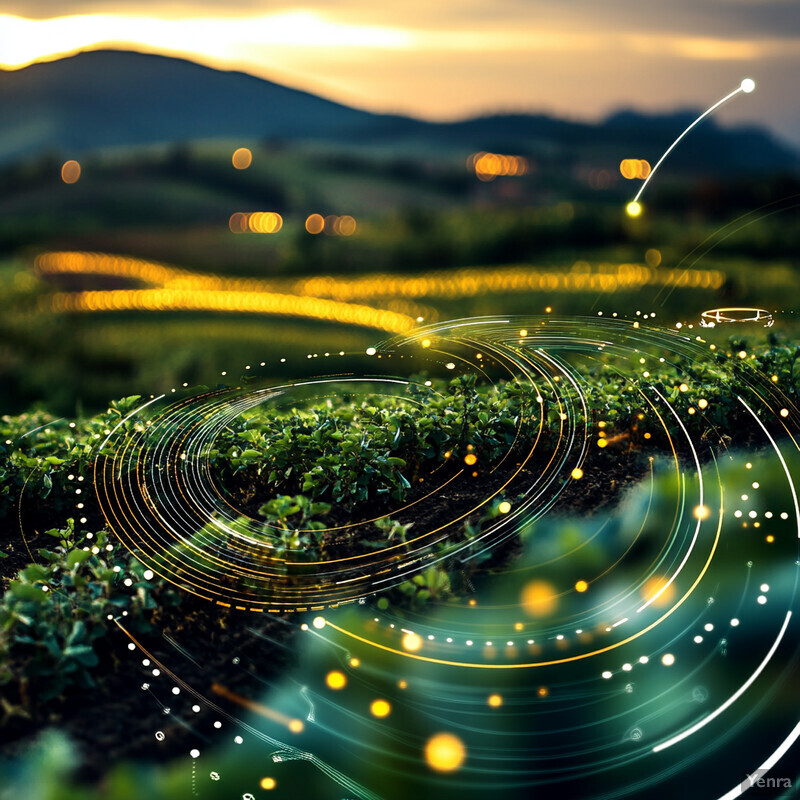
748, 85
633, 209
238, 739
560, 636
737, 513
450, 365
752, 514
304, 627
156, 672
217, 724
745, 497
131, 646
319, 622
607, 674
734, 622
148, 574
643, 660
668, 659
196, 709
194, 753
469, 642
756, 485
430, 637
698, 639
764, 587
449, 640
768, 515
371, 351
510, 644
762, 599
784, 515
627, 667
128, 582
708, 626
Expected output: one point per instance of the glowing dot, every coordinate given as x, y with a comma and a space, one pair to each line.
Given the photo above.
633, 209
450, 365
70, 172
539, 598
748, 85
627, 667
683, 387
412, 642
336, 680
238, 739
764, 587
702, 512
742, 354
770, 539
577, 473
268, 783
702, 403
196, 709
380, 708
194, 753
470, 459
581, 586
756, 484
607, 674
548, 310
148, 574
504, 507
295, 726
402, 684
371, 351
354, 662
784, 412
784, 515
542, 691
761, 599
495, 700
734, 622
319, 622
698, 639
445, 752
644, 660
426, 342
668, 659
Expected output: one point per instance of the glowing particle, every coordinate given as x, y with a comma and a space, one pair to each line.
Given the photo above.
607, 674
319, 622
495, 700
450, 365
761, 599
504, 507
643, 660
242, 158
444, 752
581, 586
698, 639
412, 642
470, 459
658, 591
683, 387
238, 739
784, 412
542, 691
402, 684
380, 708
194, 753
354, 662
523, 333
426, 343
770, 539
633, 209
371, 351
764, 587
627, 667
702, 403
668, 659
148, 574
539, 599
577, 473
268, 783
70, 172
747, 85
601, 442
336, 680
702, 512
734, 622
295, 726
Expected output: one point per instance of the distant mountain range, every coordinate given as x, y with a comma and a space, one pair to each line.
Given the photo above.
112, 98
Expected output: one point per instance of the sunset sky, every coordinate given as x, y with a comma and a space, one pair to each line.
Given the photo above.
443, 59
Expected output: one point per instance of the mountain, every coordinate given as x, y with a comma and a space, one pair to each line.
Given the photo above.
110, 98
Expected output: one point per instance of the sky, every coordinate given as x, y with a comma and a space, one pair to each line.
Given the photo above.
441, 59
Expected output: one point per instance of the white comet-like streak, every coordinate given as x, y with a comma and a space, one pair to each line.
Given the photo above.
747, 86
733, 698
